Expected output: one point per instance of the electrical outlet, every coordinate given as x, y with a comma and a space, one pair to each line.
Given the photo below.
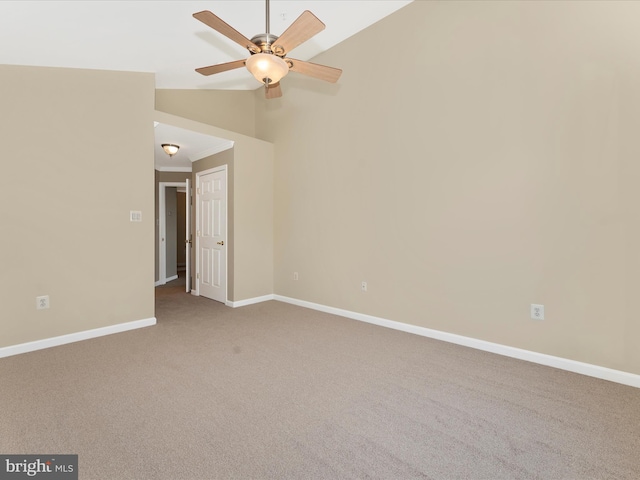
42, 302
136, 215
295, 275
537, 312
364, 286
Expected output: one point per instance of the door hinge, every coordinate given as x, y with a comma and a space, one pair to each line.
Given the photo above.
198, 190
198, 276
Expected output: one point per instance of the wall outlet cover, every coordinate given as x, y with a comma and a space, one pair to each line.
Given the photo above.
42, 302
537, 311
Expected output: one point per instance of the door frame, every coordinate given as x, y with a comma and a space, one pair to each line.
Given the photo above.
198, 221
162, 229
188, 236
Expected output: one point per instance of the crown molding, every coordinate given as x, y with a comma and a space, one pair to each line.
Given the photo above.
220, 147
174, 169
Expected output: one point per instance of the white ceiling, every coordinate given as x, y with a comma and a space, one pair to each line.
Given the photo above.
193, 146
162, 37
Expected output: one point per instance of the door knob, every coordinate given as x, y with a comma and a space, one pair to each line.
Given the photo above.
221, 243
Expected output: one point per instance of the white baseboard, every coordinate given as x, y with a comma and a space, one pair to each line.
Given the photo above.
74, 337
166, 280
588, 369
250, 301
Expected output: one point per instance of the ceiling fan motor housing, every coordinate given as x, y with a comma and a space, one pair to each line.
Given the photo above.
265, 42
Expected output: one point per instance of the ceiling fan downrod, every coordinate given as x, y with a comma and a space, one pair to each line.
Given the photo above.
268, 39
267, 48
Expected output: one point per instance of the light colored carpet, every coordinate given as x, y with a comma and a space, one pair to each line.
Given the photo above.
277, 391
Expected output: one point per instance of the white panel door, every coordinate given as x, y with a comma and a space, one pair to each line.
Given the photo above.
212, 235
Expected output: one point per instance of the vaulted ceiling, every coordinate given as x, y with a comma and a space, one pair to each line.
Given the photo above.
163, 37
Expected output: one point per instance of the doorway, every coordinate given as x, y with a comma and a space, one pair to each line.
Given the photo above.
172, 219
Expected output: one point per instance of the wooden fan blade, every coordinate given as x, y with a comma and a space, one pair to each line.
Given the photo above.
225, 29
273, 91
305, 26
328, 74
221, 67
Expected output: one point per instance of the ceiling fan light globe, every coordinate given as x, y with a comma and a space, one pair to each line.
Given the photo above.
267, 68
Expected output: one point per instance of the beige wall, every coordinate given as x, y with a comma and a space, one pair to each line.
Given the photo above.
251, 161
229, 109
67, 235
254, 217
483, 159
493, 167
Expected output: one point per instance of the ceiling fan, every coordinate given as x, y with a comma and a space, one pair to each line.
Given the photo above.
268, 61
